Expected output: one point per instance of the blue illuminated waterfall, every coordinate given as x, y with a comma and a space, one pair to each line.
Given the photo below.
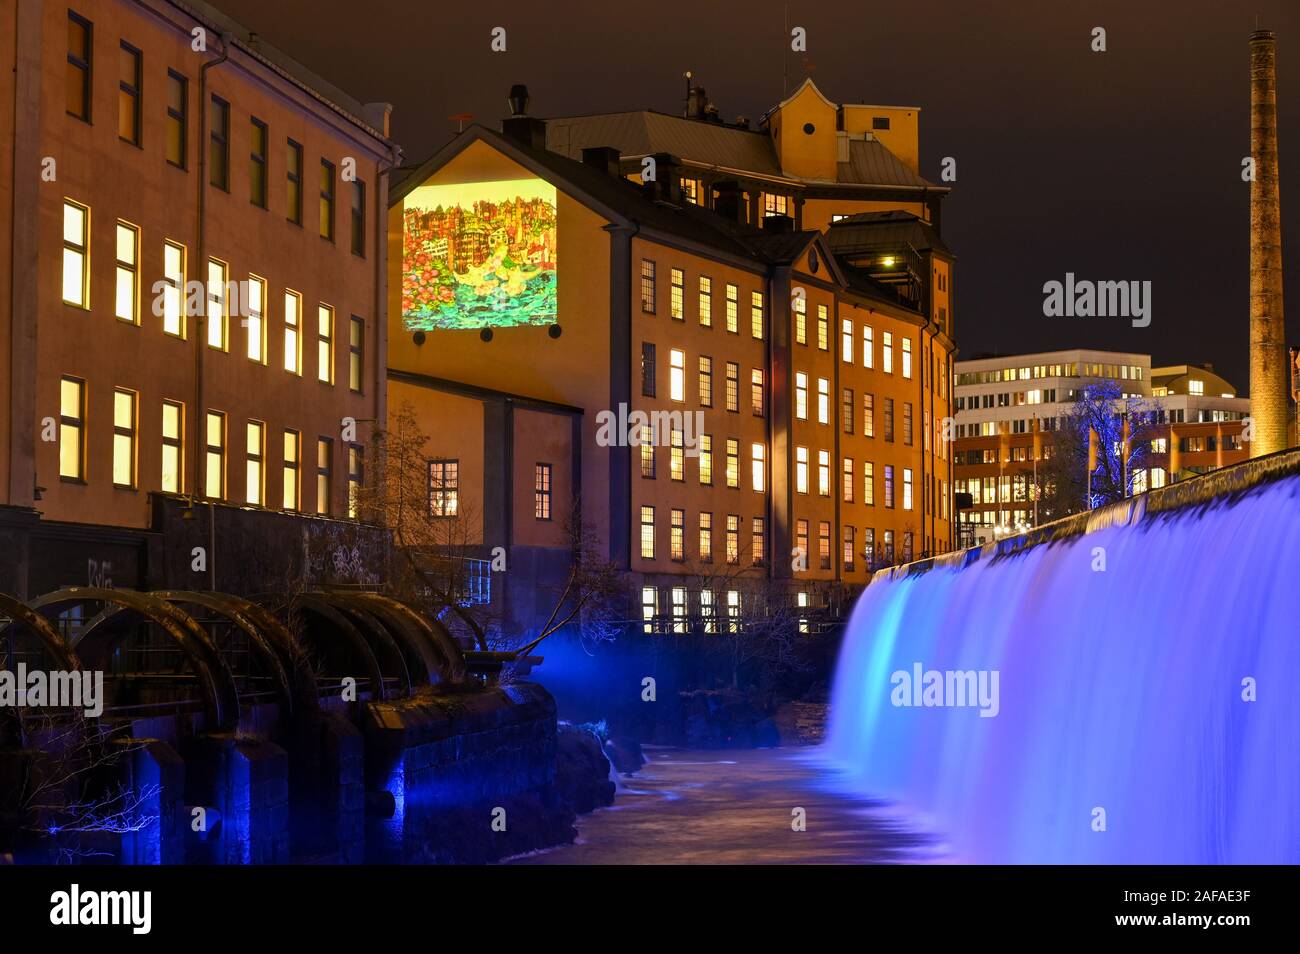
1125, 731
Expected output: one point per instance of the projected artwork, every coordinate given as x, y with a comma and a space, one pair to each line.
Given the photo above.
479, 255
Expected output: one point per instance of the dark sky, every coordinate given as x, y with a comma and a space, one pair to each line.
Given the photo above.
1123, 165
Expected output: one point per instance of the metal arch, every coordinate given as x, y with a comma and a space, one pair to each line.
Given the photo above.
358, 641
216, 683
292, 654
378, 631
50, 637
440, 652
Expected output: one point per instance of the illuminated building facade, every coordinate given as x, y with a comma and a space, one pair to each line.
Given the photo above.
1000, 401
776, 302
193, 279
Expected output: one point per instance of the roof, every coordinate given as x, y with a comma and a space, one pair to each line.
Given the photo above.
870, 163
280, 62
869, 230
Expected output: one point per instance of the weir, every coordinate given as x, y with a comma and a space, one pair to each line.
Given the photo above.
1148, 655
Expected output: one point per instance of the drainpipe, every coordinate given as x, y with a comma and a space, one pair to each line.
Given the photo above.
200, 322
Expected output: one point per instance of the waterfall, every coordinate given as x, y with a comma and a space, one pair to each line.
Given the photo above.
1148, 687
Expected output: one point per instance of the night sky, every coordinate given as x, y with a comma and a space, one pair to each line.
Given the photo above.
1123, 165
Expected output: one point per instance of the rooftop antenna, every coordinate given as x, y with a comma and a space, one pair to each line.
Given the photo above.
686, 109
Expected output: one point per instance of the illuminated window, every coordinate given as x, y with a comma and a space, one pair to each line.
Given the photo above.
219, 145
677, 461
889, 486
801, 538
823, 329
359, 218
868, 547
257, 146
774, 204
356, 474
756, 314
327, 199
758, 546
173, 447
356, 353
848, 479
648, 290
647, 369
679, 609
887, 353
128, 94
677, 375
76, 248
708, 612
907, 488
706, 381
868, 347
325, 344
126, 301
256, 320
706, 302
824, 544
800, 305
733, 462
255, 455
889, 547
757, 465
733, 539
324, 474
174, 310
706, 459
647, 452
649, 607
801, 395
293, 182
647, 532
72, 429
542, 491
77, 77
444, 488
757, 391
706, 537
889, 419
733, 307
691, 190
801, 470
733, 611
217, 314
1195, 387
733, 386
823, 401
178, 112
824, 473
846, 340
868, 415
846, 410
292, 466
907, 357
214, 485
677, 534
124, 432
848, 547
868, 483
292, 326
907, 423
677, 301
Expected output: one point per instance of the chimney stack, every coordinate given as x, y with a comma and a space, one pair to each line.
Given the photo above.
730, 201
521, 127
1268, 351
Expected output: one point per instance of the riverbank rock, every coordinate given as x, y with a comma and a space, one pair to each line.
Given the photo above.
581, 770
626, 755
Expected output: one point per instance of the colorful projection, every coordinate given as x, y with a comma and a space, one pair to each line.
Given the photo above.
479, 255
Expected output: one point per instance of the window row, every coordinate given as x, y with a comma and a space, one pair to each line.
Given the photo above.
444, 489
704, 377
703, 295
704, 454
752, 552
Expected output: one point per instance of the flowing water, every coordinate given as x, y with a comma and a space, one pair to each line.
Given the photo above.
1148, 692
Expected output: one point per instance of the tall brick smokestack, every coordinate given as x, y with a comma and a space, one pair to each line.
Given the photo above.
1269, 372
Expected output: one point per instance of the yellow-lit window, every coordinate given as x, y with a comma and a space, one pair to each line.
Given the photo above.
677, 375
907, 357
733, 307
846, 340
254, 455
173, 447
256, 319
649, 607
292, 332
356, 354
76, 254
647, 532
214, 484
292, 454
801, 470
868, 347
758, 465
733, 539
887, 352
173, 301
800, 305
217, 313
823, 329
325, 344
756, 314
706, 538
356, 461
869, 483
677, 299
706, 459
324, 473
124, 430
72, 429
677, 456
733, 462
706, 301
677, 540
907, 488
823, 401
824, 473
801, 395
126, 302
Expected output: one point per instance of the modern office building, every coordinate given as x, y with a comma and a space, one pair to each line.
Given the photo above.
732, 345
999, 402
194, 288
